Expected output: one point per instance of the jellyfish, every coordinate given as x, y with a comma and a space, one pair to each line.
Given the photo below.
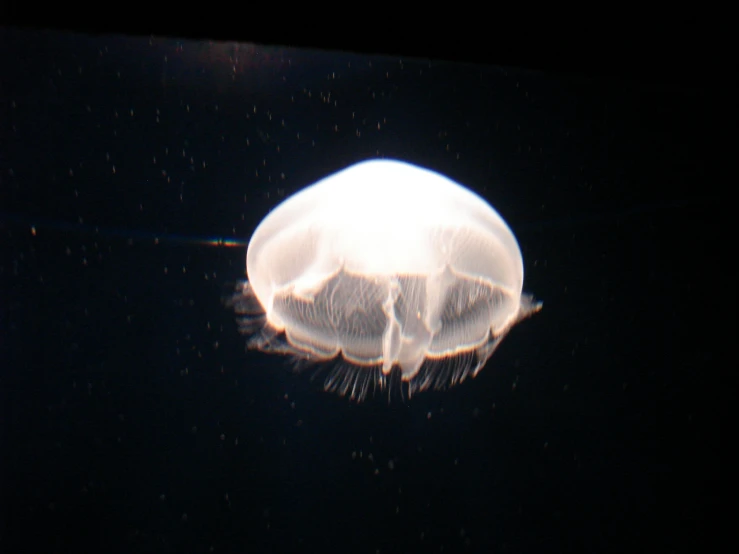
383, 269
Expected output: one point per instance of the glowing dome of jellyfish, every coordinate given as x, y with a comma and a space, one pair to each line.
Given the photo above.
381, 269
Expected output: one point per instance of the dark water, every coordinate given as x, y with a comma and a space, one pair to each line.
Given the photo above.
132, 173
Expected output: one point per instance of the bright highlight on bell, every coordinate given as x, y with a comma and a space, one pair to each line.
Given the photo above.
383, 269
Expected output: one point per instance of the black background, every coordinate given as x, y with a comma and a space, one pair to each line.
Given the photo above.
132, 418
